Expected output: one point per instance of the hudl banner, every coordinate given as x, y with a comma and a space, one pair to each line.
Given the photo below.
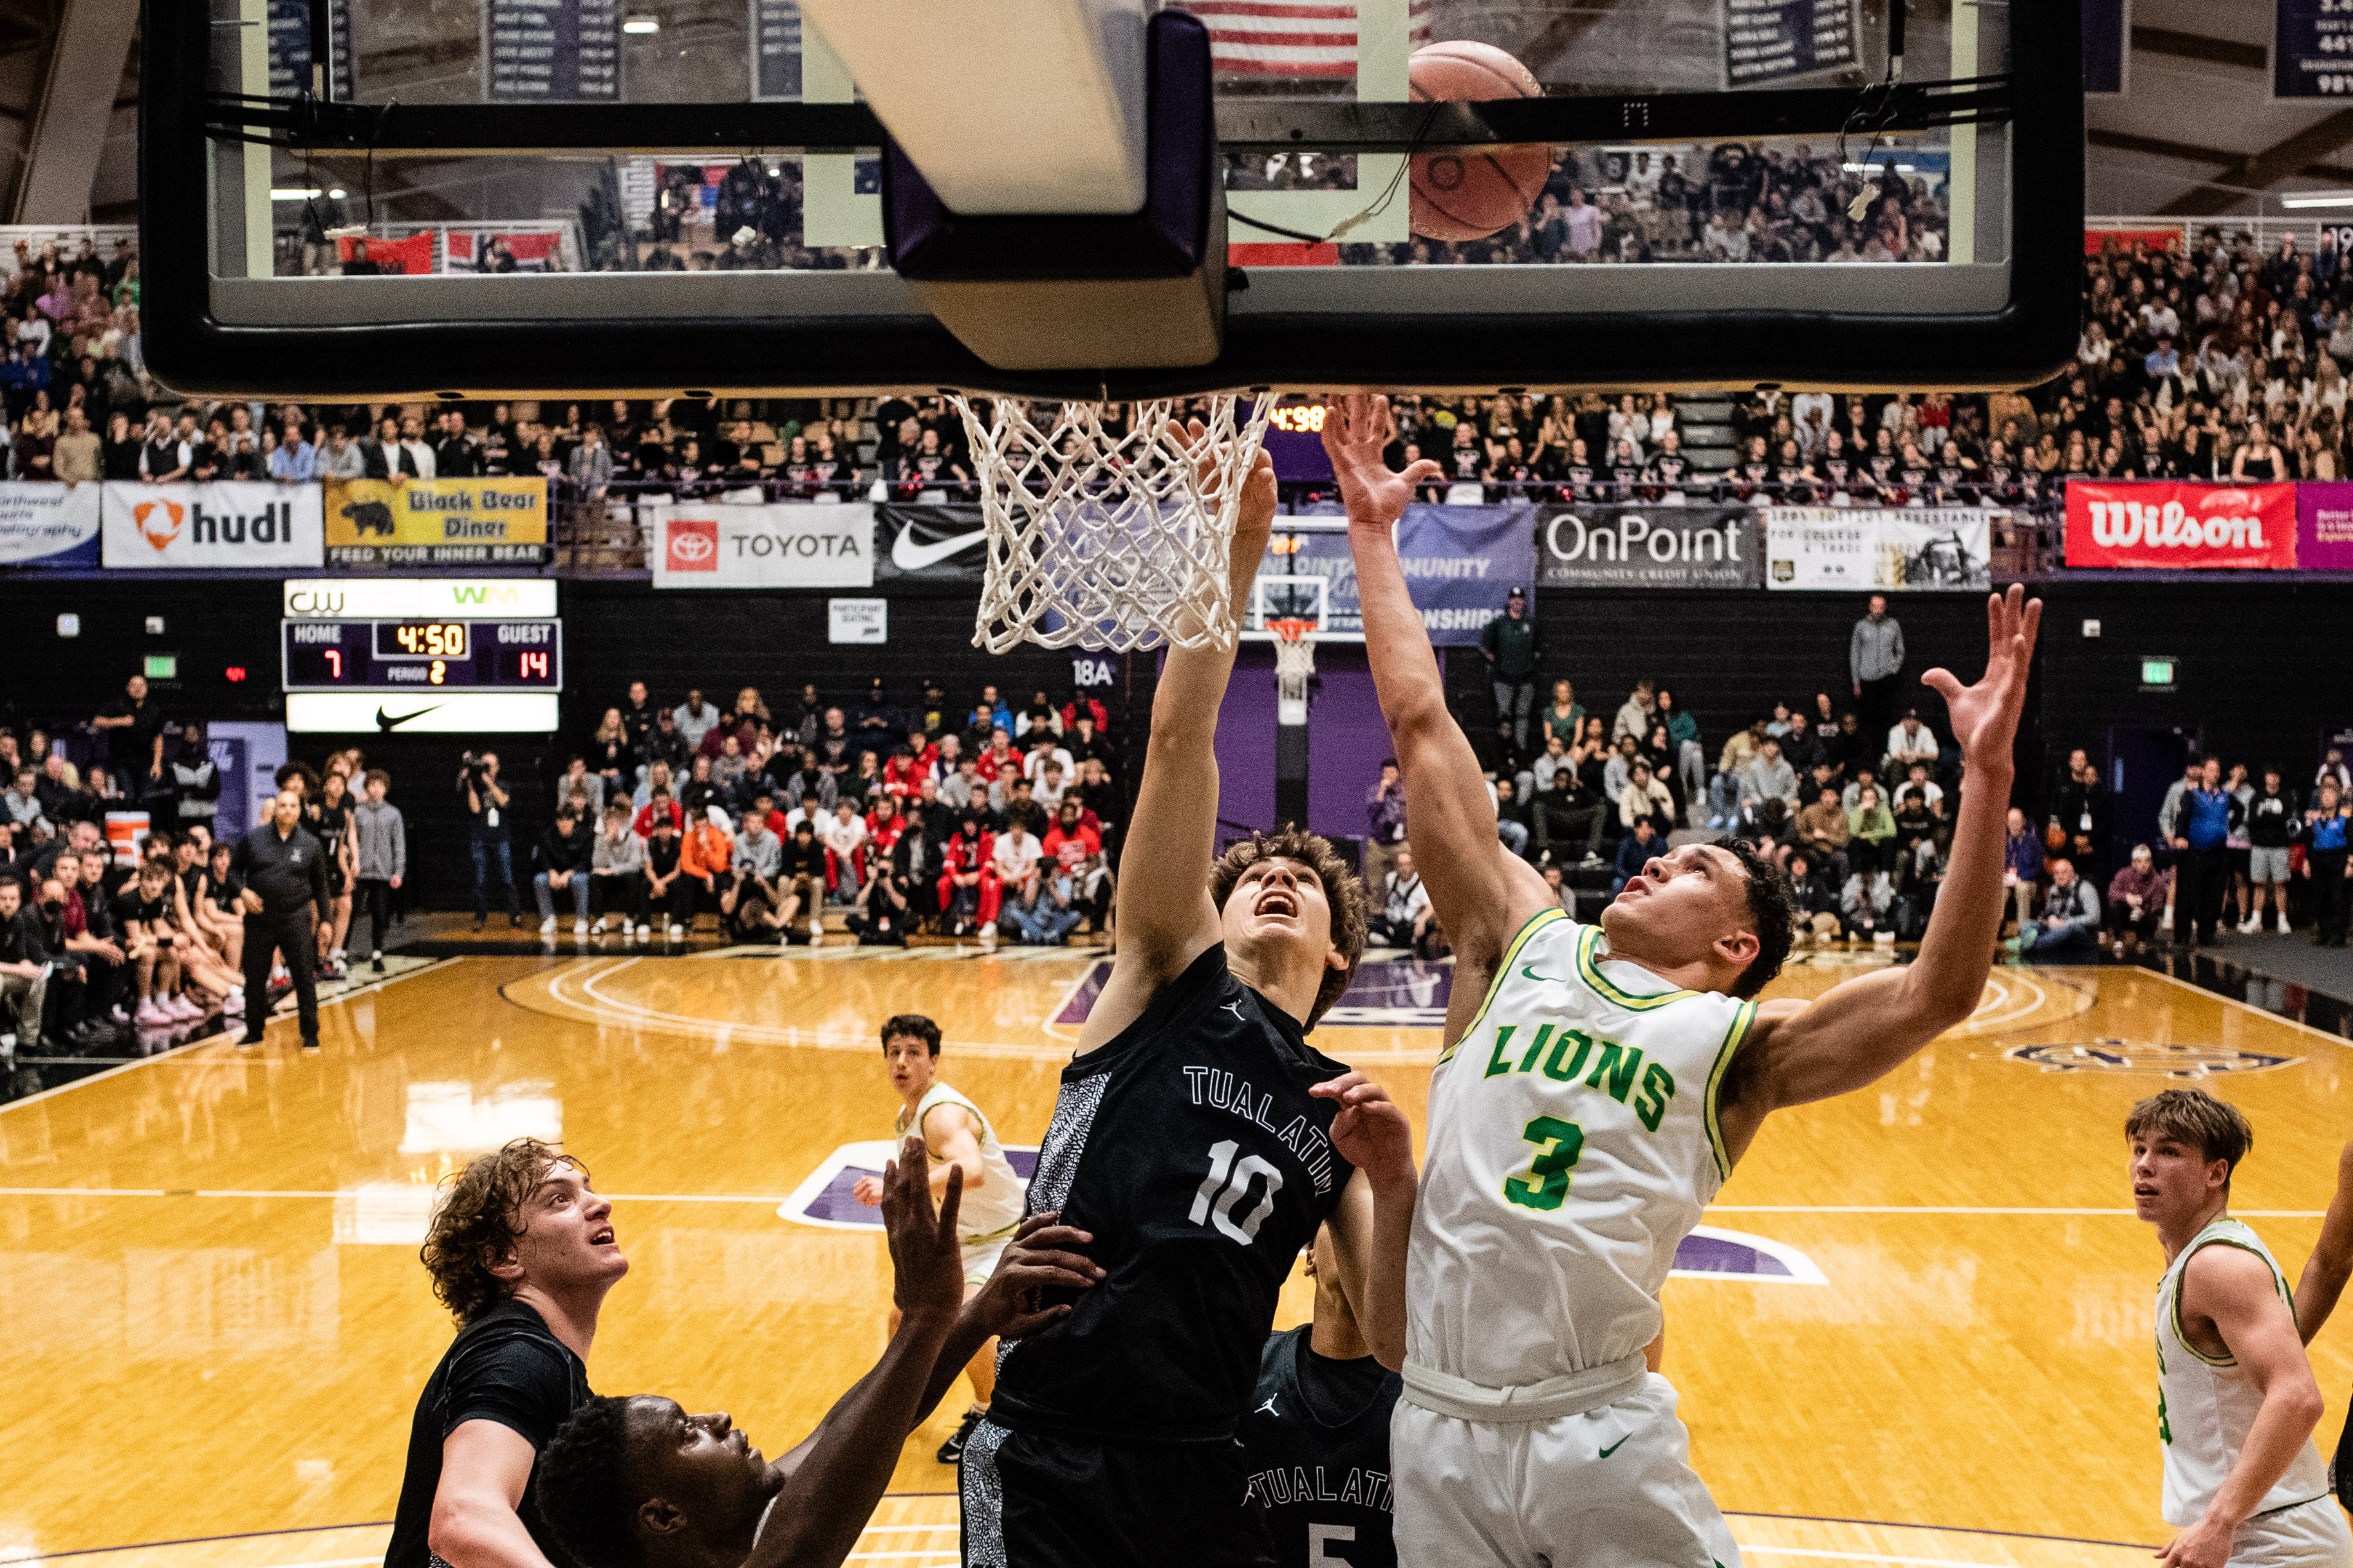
716, 545
46, 524
211, 527
1650, 547
2179, 526
436, 522
1879, 550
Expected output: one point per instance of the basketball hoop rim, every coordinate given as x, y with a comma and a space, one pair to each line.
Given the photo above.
1289, 628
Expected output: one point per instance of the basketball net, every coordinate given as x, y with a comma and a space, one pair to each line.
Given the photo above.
1108, 536
1294, 662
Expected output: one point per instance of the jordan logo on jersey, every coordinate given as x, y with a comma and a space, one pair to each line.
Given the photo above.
1561, 1055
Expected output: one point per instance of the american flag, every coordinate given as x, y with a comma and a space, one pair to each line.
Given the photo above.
1291, 37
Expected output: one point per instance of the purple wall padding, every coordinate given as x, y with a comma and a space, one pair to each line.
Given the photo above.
1245, 743
1346, 741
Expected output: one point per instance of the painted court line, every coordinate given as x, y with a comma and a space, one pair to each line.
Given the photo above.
178, 1057
2248, 1007
772, 1199
1867, 1557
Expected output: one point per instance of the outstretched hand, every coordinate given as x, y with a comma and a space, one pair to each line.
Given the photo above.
1371, 1131
1356, 434
926, 1251
1984, 717
1037, 1259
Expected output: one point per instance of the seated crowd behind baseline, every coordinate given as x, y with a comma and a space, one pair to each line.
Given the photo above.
1860, 817
865, 818
882, 821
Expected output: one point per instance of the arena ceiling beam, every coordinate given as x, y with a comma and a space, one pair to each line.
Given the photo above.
2261, 170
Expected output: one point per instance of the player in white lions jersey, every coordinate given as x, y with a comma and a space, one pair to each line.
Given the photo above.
2236, 1400
1597, 1085
955, 1134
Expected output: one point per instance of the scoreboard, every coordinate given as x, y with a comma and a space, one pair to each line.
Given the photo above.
422, 655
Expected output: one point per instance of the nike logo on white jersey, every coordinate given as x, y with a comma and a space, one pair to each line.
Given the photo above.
909, 556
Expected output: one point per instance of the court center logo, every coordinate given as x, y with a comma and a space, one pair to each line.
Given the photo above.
158, 521
693, 544
2179, 1062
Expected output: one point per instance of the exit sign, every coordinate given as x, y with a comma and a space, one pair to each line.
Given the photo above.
163, 667
2156, 673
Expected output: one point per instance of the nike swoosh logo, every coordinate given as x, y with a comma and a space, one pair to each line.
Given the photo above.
1615, 1447
385, 723
909, 556
1530, 970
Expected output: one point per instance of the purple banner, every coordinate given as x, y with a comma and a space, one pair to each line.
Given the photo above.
2324, 527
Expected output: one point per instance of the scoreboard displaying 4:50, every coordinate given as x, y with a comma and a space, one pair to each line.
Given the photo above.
419, 656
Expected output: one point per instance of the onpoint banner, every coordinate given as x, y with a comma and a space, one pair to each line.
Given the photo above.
211, 527
433, 522
2177, 526
1879, 550
723, 546
44, 524
1637, 546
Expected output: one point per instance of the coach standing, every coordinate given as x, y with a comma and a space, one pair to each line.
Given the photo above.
285, 875
1875, 658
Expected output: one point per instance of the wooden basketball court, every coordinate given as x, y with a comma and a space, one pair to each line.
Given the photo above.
1915, 1332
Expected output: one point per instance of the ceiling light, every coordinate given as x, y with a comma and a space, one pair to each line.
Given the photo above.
338, 194
295, 192
2339, 199
642, 24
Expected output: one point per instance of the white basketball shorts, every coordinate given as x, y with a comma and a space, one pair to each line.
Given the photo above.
2309, 1535
1609, 1489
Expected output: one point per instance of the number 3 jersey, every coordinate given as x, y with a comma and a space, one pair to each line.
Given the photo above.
1190, 1146
1573, 1145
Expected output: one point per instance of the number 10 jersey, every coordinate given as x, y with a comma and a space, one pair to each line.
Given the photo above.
1573, 1145
1190, 1146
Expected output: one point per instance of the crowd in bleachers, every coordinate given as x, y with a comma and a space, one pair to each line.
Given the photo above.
2209, 360
986, 819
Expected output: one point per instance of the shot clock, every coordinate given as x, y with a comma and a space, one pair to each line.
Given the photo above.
1294, 439
421, 655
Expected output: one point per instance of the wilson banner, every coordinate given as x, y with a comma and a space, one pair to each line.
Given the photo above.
2169, 525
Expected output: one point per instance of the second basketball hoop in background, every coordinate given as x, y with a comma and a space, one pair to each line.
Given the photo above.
1109, 526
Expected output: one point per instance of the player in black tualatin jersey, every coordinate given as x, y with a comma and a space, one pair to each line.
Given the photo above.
1318, 1437
1201, 1142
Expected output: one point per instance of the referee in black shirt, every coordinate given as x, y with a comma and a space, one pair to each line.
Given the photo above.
285, 874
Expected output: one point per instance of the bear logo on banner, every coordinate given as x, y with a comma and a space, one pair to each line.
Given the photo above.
369, 517
158, 521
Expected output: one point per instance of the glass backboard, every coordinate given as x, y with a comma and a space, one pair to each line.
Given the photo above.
518, 196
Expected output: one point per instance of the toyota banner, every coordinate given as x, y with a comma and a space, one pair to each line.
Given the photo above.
795, 545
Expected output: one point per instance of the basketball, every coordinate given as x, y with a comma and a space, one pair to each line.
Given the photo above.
1469, 192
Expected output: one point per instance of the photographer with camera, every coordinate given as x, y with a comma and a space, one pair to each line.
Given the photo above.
487, 836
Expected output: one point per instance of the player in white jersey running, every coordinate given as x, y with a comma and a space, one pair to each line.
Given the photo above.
955, 1134
1597, 1085
2236, 1400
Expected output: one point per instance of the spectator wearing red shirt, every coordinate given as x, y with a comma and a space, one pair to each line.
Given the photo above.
658, 804
1082, 705
968, 888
